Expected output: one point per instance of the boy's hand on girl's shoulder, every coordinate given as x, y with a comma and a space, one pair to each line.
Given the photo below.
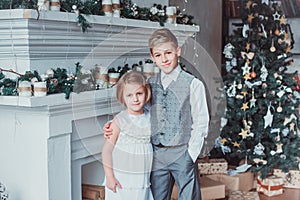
107, 130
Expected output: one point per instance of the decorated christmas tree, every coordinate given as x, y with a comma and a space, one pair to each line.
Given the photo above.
260, 124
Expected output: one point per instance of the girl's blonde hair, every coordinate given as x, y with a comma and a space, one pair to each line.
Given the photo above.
134, 77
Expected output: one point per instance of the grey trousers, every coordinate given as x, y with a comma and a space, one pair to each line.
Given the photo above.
174, 164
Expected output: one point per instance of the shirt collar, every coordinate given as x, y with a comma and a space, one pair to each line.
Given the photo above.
173, 75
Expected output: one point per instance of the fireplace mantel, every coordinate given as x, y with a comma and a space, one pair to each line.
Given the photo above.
39, 41
45, 141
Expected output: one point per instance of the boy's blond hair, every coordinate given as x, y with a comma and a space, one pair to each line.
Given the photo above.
160, 36
132, 77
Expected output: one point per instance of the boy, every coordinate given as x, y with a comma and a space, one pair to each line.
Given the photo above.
179, 121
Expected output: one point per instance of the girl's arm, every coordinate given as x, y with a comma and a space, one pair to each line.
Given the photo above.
109, 143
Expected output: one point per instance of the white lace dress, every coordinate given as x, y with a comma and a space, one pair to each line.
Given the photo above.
132, 158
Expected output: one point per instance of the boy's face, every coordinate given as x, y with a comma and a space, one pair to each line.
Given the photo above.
165, 56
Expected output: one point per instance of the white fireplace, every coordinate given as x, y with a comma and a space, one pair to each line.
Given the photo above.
50, 145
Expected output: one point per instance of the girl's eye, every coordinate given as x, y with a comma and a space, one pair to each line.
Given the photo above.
156, 56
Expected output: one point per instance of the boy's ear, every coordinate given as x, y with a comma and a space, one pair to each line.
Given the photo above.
178, 51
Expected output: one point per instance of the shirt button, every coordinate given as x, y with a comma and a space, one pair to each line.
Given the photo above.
161, 133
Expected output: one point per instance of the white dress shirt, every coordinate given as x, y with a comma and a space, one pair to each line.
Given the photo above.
199, 110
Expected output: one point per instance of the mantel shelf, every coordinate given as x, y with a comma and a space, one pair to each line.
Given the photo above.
33, 41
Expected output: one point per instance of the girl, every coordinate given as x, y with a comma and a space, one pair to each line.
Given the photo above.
127, 153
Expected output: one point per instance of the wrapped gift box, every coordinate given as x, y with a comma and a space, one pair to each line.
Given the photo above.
243, 195
210, 189
243, 181
270, 186
212, 166
291, 179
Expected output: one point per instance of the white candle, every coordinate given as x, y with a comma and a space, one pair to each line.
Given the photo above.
54, 5
24, 89
40, 89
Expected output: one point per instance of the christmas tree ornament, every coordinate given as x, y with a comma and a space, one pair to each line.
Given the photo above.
245, 106
228, 51
277, 32
279, 108
265, 2
231, 91
244, 134
268, 118
247, 56
247, 77
252, 102
236, 144
253, 74
259, 149
258, 161
279, 148
289, 119
245, 30
276, 16
240, 86
263, 73
244, 93
246, 69
250, 18
250, 85
292, 126
264, 85
248, 4
272, 48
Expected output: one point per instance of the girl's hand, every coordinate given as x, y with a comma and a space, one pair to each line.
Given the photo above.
108, 131
112, 184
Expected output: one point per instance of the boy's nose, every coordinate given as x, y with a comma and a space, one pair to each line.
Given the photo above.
164, 58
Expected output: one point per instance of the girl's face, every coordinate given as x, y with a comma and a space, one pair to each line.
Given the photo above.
134, 97
166, 56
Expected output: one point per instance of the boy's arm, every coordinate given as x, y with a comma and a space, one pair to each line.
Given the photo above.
200, 116
111, 181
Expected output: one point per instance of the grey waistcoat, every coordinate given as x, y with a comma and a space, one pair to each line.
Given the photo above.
171, 118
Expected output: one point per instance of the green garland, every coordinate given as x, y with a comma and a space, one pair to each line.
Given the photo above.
156, 13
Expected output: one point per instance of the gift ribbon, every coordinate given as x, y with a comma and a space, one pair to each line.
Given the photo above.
268, 187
